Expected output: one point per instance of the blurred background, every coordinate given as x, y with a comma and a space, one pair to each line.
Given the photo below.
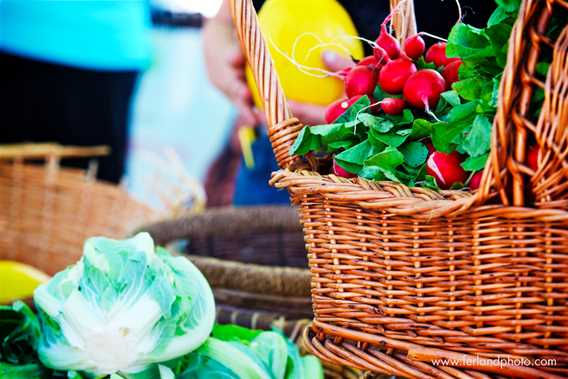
176, 108
162, 83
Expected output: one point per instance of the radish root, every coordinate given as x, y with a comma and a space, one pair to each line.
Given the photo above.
310, 71
433, 36
334, 43
315, 71
429, 112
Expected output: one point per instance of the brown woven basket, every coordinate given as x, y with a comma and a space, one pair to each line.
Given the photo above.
402, 277
247, 255
269, 235
48, 211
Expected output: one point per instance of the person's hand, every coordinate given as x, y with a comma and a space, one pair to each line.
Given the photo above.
311, 114
226, 67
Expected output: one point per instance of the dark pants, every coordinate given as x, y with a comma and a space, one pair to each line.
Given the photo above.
43, 102
251, 187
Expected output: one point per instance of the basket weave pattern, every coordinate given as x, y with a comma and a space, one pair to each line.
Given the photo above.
402, 276
48, 212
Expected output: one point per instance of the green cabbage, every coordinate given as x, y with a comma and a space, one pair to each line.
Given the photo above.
124, 307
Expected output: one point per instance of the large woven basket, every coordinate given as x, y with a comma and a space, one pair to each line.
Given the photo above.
423, 284
48, 211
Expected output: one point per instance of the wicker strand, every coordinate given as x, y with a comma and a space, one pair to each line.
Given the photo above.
404, 22
549, 182
258, 56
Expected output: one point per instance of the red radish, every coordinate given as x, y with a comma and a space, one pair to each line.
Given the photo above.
339, 107
394, 75
388, 42
532, 158
452, 60
430, 147
475, 180
341, 172
414, 46
381, 56
422, 90
437, 54
368, 61
446, 169
392, 106
361, 80
451, 72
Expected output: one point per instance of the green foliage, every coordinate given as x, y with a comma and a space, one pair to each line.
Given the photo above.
19, 334
238, 353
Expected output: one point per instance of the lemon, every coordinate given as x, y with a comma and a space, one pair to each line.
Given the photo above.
308, 25
18, 281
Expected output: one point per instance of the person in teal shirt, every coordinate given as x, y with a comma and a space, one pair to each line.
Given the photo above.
68, 70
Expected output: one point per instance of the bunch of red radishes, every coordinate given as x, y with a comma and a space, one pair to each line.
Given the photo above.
396, 72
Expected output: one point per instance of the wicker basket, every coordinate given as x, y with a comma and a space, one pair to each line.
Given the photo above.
270, 236
48, 211
402, 276
247, 255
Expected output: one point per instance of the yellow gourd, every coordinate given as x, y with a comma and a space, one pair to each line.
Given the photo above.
283, 22
18, 281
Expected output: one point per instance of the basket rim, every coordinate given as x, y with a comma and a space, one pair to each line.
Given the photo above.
226, 222
399, 199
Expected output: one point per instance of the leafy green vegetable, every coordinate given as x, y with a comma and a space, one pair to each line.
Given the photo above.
26, 371
477, 142
19, 334
387, 159
351, 158
241, 353
469, 43
475, 163
232, 332
312, 367
272, 350
221, 359
415, 153
305, 142
153, 307
350, 114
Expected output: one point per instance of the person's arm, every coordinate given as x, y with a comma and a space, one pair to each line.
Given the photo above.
226, 63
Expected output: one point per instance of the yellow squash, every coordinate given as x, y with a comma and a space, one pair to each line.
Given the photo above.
18, 281
308, 23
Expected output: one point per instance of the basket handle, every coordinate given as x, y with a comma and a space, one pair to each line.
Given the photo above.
282, 129
508, 171
403, 21
260, 61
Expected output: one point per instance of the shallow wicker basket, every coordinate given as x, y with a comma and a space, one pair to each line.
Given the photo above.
247, 255
268, 235
48, 211
402, 277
